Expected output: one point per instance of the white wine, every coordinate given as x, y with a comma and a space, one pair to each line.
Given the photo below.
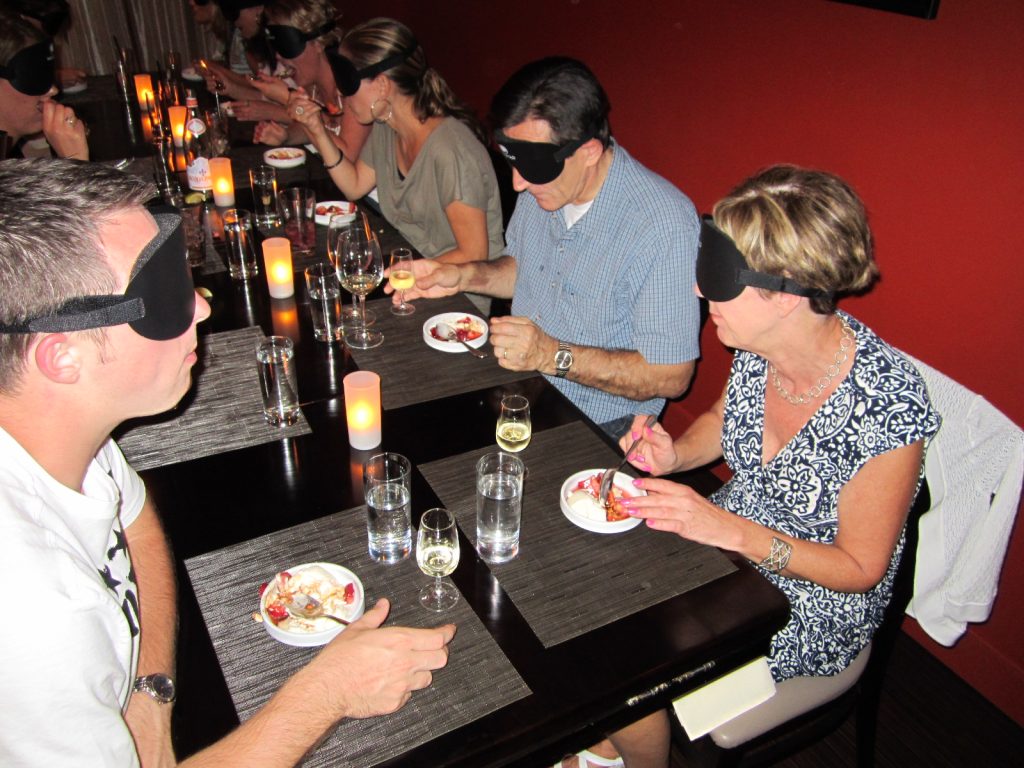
359, 284
513, 436
437, 560
402, 280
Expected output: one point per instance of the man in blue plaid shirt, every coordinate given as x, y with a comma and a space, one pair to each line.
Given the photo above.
599, 258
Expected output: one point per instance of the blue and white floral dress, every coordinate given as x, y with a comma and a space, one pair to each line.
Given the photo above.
880, 406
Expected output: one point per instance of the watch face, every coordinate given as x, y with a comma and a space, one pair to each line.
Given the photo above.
161, 687
563, 359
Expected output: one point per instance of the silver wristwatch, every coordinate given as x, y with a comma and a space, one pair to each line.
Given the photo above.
159, 686
563, 360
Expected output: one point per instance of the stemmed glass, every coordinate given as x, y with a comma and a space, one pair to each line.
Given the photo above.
514, 427
330, 112
437, 555
337, 230
401, 279
361, 268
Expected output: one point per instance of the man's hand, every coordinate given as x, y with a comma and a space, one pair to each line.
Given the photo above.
520, 345
434, 279
64, 131
270, 133
371, 671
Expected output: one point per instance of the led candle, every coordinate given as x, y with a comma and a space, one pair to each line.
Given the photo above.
362, 409
177, 116
143, 91
277, 255
223, 182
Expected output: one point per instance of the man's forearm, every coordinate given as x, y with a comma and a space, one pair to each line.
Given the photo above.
492, 278
626, 373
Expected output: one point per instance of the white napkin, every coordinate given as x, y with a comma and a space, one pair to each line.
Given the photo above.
721, 700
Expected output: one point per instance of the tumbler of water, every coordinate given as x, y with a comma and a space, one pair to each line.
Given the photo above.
387, 483
499, 496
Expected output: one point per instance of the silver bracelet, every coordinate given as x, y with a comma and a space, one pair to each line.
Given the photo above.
778, 557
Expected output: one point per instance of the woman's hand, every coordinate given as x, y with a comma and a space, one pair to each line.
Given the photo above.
270, 133
64, 131
306, 112
679, 509
273, 88
656, 451
258, 110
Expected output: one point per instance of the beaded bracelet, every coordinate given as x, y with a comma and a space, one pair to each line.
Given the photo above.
778, 557
336, 163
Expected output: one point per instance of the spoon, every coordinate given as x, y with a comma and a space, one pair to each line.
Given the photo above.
303, 606
609, 474
448, 333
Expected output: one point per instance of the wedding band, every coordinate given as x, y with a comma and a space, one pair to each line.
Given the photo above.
299, 110
522, 355
69, 120
504, 353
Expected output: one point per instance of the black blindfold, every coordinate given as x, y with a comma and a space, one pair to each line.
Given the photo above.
723, 272
158, 303
289, 42
31, 70
539, 162
347, 77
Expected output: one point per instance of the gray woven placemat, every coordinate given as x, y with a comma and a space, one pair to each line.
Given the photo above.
478, 679
411, 372
223, 412
589, 579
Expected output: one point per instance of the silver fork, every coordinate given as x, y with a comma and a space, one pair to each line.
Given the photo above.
609, 474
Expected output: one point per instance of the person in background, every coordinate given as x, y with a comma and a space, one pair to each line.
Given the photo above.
247, 56
50, 17
434, 179
822, 423
27, 90
208, 16
599, 256
91, 336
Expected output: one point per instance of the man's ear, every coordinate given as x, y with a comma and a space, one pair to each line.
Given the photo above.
593, 150
58, 358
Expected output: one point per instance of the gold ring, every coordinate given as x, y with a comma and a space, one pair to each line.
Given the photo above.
504, 353
522, 355
69, 120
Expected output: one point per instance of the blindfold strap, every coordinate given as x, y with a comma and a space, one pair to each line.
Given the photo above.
778, 283
370, 70
82, 313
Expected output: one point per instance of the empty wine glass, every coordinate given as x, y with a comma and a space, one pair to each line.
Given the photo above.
437, 554
360, 269
401, 279
337, 228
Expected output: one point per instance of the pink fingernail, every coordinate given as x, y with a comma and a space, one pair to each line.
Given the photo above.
634, 435
637, 482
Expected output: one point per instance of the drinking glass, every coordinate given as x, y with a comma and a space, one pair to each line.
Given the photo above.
437, 555
513, 430
263, 179
360, 269
330, 110
401, 279
499, 506
337, 230
242, 261
387, 484
297, 207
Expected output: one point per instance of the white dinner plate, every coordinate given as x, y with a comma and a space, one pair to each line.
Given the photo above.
189, 73
347, 212
78, 87
622, 481
451, 318
310, 639
285, 157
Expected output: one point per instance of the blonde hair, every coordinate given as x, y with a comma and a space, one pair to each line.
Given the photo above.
307, 16
803, 224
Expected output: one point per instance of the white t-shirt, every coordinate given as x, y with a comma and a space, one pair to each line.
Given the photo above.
66, 675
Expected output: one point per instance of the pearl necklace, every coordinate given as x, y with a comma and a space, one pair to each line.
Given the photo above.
845, 343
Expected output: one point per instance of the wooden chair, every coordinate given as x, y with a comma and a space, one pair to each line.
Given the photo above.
754, 746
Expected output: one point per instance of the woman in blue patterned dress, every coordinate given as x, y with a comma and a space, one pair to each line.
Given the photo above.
822, 423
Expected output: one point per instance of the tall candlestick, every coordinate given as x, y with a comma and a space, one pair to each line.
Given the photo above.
362, 409
177, 116
277, 255
223, 182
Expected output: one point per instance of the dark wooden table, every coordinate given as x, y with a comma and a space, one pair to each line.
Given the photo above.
580, 688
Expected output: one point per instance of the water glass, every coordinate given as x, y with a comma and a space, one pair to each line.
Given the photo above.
514, 428
242, 261
387, 484
324, 302
275, 358
499, 496
263, 180
297, 208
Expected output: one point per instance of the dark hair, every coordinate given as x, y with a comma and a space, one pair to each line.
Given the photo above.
16, 34
377, 39
50, 250
562, 92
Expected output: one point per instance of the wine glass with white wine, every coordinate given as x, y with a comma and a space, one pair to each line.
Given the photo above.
401, 279
361, 269
337, 230
514, 428
437, 555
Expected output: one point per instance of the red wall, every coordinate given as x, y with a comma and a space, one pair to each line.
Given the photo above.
924, 118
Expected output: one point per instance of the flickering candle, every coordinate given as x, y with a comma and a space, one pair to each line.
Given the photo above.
177, 116
362, 409
277, 256
223, 182
143, 91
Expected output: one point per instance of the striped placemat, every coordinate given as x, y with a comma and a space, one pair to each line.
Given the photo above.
567, 581
222, 412
478, 679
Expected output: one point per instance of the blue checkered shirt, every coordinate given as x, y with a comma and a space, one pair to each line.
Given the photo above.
621, 278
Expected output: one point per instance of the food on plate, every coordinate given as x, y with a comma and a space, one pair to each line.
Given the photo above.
335, 596
585, 501
466, 329
331, 210
285, 154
